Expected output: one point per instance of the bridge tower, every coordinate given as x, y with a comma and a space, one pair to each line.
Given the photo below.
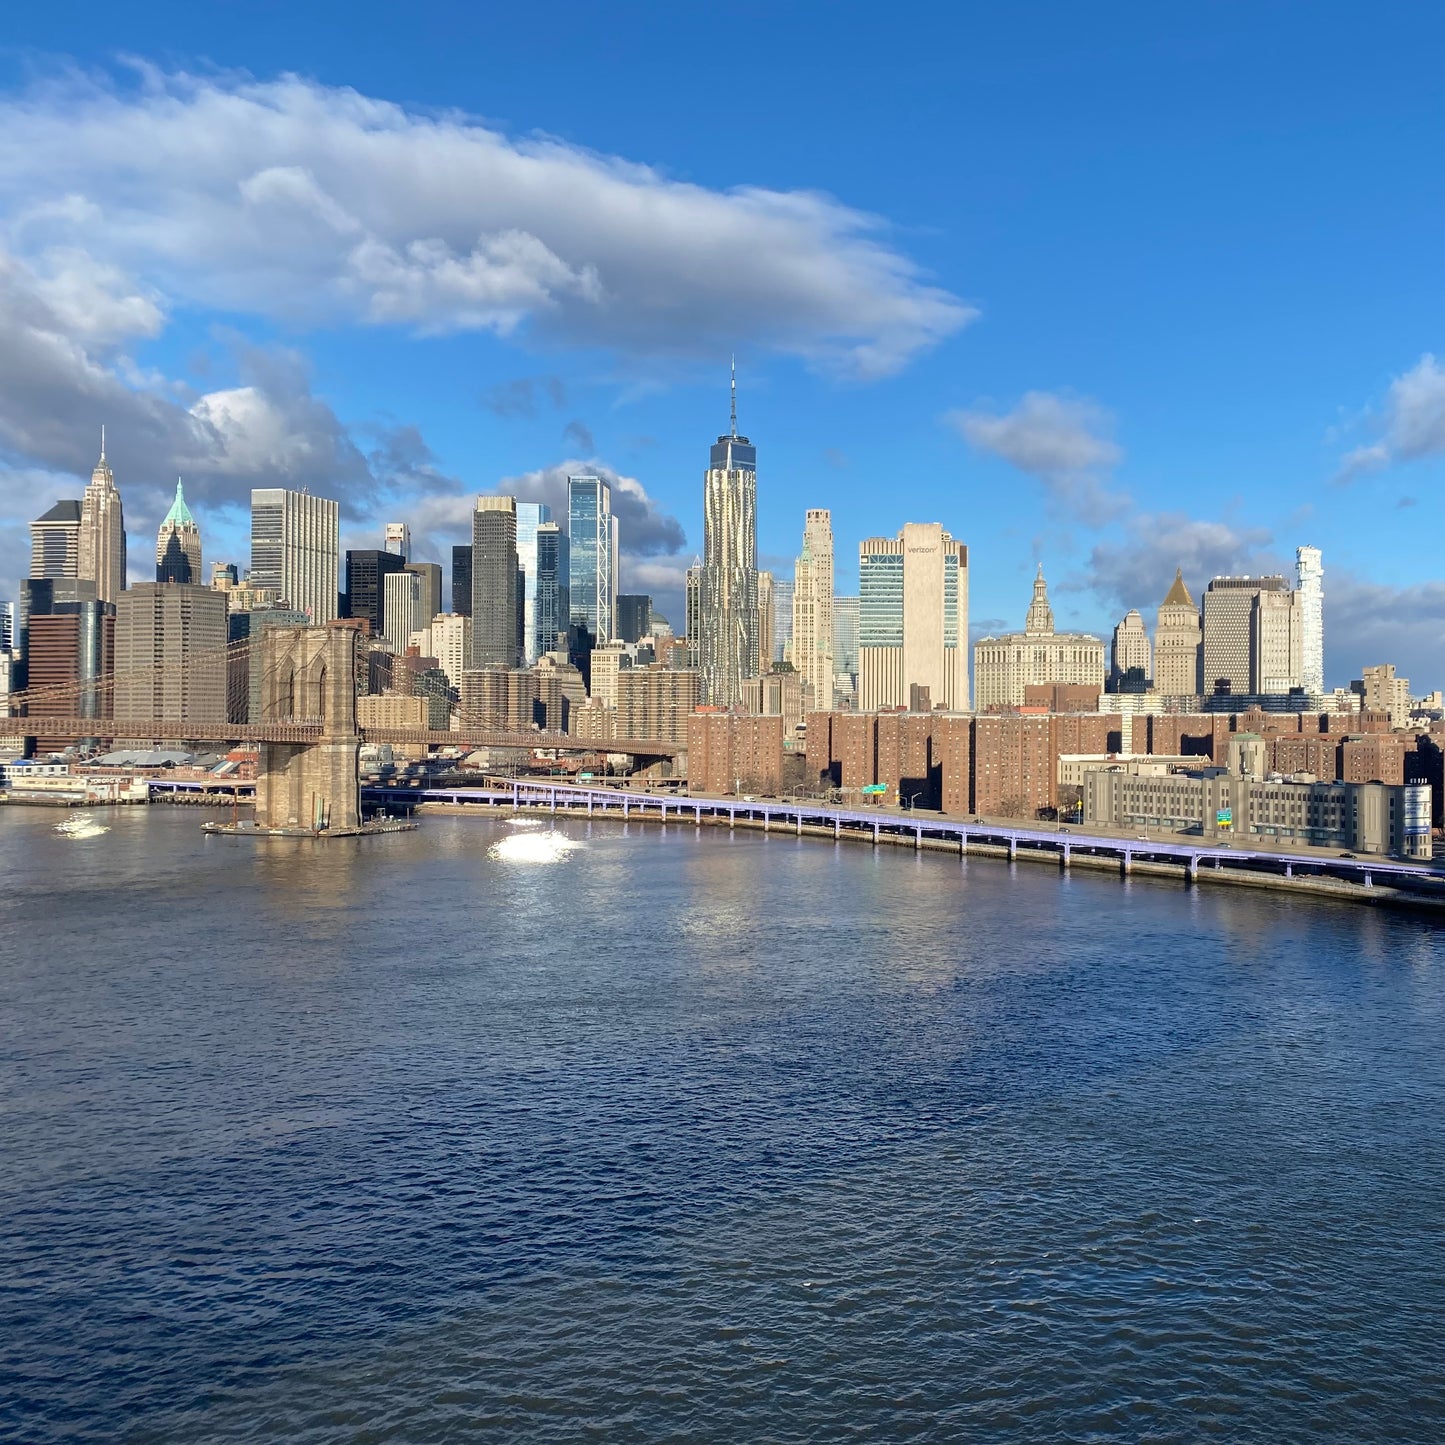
308, 677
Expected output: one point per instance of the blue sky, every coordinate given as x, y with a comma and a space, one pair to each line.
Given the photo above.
1117, 289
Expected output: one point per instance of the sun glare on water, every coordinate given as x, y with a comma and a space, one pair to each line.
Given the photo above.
532, 848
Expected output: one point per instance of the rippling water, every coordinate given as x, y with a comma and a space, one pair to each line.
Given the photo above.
690, 1136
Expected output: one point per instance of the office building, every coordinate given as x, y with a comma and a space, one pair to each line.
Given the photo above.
729, 647
1242, 800
1253, 643
295, 550
449, 640
496, 585
430, 576
912, 621
551, 613
1178, 644
403, 611
67, 637
366, 574
397, 540
55, 543
1130, 656
530, 516
1005, 667
178, 544
100, 545
813, 611
592, 560
462, 580
170, 654
767, 618
1310, 588
224, 576
634, 616
845, 638
779, 642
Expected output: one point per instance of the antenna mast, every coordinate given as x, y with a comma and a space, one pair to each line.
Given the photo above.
734, 420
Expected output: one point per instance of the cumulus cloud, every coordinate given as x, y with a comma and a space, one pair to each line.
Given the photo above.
1413, 423
309, 203
1370, 622
1062, 441
1137, 568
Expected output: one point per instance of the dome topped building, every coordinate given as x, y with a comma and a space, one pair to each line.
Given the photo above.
178, 544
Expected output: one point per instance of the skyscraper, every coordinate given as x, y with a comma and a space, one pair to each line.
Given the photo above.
530, 516
55, 542
552, 611
592, 539
295, 549
178, 544
634, 616
913, 619
402, 609
781, 641
366, 574
462, 580
729, 651
100, 546
1130, 649
170, 653
1310, 581
397, 540
1252, 636
430, 574
692, 611
845, 636
1178, 648
495, 622
813, 610
767, 618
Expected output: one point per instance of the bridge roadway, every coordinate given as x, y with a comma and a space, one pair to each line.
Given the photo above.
303, 730
930, 828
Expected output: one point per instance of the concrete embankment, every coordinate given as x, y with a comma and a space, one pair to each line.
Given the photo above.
1335, 888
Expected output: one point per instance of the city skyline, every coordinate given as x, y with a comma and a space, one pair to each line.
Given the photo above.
1151, 393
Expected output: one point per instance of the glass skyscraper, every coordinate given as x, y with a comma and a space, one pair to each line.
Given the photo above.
592, 568
729, 651
551, 611
530, 516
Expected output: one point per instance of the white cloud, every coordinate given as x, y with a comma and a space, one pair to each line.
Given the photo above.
1413, 423
304, 202
1137, 569
1063, 441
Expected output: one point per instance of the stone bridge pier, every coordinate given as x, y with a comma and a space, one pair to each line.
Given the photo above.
308, 676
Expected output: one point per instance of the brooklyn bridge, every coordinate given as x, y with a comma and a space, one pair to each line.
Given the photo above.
292, 692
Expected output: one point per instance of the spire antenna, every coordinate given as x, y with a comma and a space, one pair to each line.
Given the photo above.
734, 418
102, 441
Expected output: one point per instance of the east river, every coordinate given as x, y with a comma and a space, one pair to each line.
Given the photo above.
685, 1136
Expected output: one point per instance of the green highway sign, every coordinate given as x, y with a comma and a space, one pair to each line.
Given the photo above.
874, 788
